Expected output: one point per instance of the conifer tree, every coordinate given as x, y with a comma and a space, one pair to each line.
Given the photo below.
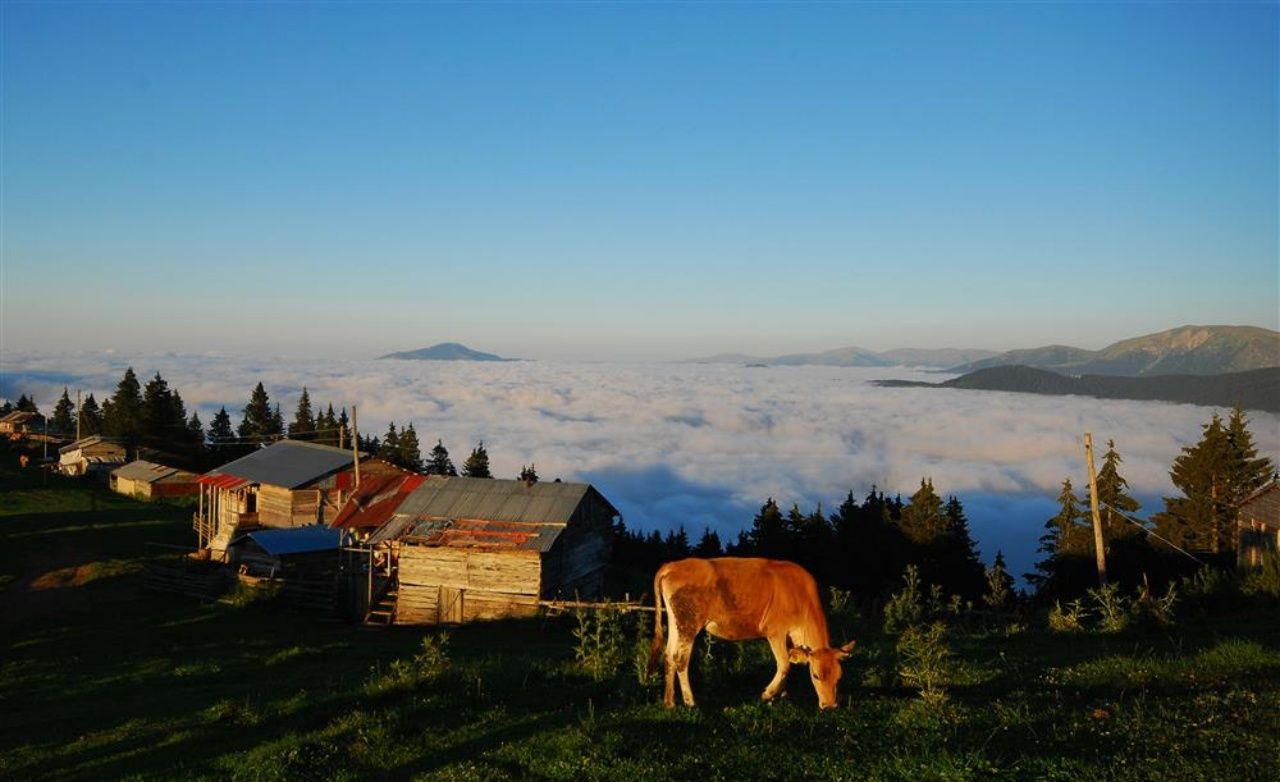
708, 545
961, 571
677, 544
90, 417
220, 433
159, 422
344, 428
389, 449
6, 407
63, 420
255, 421
27, 405
440, 463
477, 464
1000, 584
1067, 570
326, 428
530, 476
1246, 472
122, 413
1112, 497
303, 426
195, 431
768, 534
277, 421
1200, 519
922, 518
410, 453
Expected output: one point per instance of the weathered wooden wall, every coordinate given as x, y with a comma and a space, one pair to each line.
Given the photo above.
454, 584
575, 565
280, 507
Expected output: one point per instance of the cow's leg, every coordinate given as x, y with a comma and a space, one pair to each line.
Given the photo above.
778, 644
672, 651
683, 656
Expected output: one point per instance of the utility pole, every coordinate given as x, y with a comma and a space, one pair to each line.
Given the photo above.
78, 415
1098, 544
355, 445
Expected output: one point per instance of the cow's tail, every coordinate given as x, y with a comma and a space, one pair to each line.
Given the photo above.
656, 647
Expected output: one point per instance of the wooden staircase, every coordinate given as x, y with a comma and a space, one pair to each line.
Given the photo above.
383, 611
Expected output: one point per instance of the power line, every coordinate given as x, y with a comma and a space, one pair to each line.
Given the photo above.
1143, 526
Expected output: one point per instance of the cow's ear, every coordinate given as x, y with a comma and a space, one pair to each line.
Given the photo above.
799, 655
844, 651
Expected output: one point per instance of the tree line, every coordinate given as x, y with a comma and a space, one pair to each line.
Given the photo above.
154, 417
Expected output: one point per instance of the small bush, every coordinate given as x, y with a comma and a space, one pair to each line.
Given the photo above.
1264, 581
1112, 608
1069, 619
1210, 589
602, 644
906, 607
428, 664
925, 661
242, 594
1157, 611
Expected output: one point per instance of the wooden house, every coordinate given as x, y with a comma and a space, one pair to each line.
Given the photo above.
19, 424
91, 455
288, 484
1258, 526
272, 553
148, 480
465, 549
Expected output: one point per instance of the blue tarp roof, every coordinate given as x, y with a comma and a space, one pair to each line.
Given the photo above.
298, 540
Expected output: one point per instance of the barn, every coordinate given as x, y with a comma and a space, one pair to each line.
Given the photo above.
91, 455
272, 553
1258, 526
19, 423
466, 549
148, 480
288, 484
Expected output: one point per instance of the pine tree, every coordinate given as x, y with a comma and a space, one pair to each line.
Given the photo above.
277, 421
1112, 497
304, 422
1068, 542
6, 407
220, 433
440, 463
530, 475
195, 431
158, 424
477, 464
344, 427
922, 520
90, 417
999, 596
677, 544
768, 534
410, 453
1245, 472
326, 428
961, 571
122, 413
1201, 518
63, 421
389, 449
255, 421
708, 545
28, 405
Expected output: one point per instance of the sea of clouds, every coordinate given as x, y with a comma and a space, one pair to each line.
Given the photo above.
704, 445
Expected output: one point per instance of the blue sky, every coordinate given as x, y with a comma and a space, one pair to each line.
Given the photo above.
591, 180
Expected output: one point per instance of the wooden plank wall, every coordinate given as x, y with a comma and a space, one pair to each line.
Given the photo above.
494, 584
280, 507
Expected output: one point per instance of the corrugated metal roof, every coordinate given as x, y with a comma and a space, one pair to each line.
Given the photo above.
298, 540
142, 470
376, 501
288, 463
87, 442
477, 533
496, 500
18, 417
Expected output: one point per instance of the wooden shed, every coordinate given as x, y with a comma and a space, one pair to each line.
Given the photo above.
1258, 526
288, 484
276, 552
19, 423
148, 480
465, 549
89, 455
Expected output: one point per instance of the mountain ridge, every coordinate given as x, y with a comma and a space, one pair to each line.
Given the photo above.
445, 351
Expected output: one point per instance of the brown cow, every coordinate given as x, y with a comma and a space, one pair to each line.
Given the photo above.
740, 599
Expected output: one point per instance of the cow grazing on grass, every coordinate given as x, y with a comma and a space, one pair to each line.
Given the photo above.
740, 599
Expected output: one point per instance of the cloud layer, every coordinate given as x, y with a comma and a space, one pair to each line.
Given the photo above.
704, 445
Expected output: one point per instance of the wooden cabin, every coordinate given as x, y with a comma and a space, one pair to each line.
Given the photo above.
287, 484
466, 549
19, 423
272, 553
1258, 526
148, 480
91, 455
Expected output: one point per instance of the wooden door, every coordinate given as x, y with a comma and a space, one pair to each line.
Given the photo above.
450, 605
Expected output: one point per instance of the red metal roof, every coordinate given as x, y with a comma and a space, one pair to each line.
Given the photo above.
219, 481
376, 501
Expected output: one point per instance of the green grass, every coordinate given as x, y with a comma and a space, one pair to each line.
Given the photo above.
113, 682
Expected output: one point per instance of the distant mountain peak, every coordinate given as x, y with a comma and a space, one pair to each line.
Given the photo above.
445, 351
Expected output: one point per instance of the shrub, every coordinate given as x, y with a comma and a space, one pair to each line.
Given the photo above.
601, 642
1069, 619
243, 594
1264, 581
1155, 610
428, 664
1210, 589
925, 661
842, 611
906, 607
1112, 608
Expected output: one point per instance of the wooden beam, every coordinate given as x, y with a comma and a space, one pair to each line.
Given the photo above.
1099, 545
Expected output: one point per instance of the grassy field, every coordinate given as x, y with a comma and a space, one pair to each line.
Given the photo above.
101, 680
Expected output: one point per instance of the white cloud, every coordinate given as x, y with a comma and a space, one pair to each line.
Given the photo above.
703, 445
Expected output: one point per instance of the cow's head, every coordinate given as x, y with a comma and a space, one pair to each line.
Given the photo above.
824, 670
